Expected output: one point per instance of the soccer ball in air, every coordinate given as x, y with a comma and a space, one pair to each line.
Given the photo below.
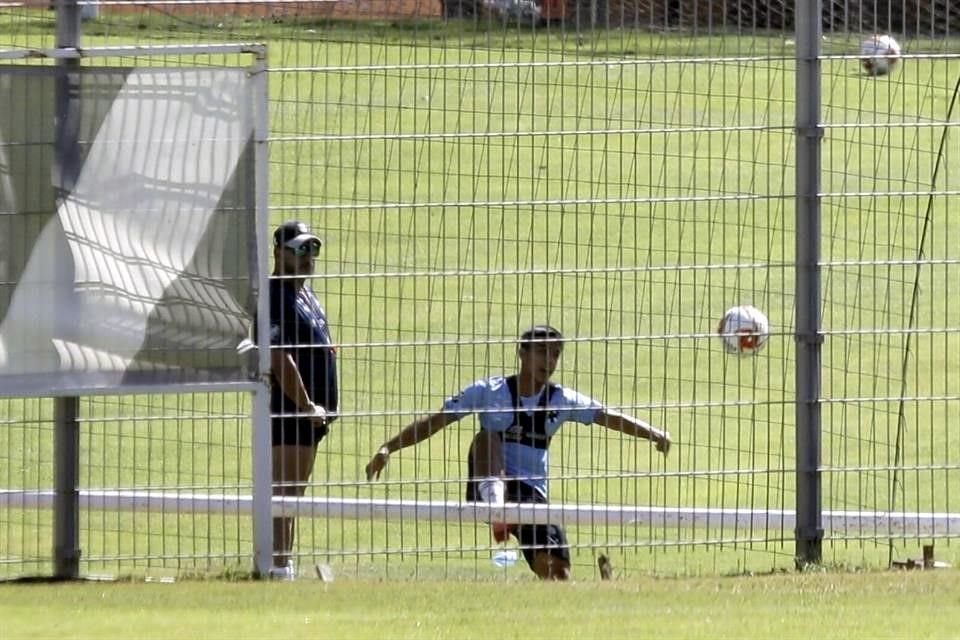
744, 330
878, 54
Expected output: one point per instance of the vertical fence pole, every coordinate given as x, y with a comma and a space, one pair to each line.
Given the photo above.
262, 446
809, 531
66, 502
66, 410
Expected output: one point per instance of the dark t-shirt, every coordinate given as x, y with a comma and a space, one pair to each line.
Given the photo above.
299, 324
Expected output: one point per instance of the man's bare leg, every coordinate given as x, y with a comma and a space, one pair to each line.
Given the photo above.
486, 460
292, 466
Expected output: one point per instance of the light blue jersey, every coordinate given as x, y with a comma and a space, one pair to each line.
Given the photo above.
526, 432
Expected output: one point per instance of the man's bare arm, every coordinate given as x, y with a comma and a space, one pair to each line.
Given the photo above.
635, 427
418, 431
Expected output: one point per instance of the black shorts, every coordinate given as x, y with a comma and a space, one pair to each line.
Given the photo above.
532, 537
296, 431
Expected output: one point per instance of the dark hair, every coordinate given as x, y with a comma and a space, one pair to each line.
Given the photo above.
540, 333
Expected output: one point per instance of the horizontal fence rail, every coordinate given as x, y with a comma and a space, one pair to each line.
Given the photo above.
841, 523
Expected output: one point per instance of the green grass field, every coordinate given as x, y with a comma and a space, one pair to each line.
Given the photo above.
884, 605
633, 242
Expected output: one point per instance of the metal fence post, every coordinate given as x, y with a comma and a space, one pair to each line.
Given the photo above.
66, 518
262, 448
809, 531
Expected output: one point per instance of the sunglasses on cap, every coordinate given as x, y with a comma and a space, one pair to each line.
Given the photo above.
309, 248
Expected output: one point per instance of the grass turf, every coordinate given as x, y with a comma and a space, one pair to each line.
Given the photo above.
870, 605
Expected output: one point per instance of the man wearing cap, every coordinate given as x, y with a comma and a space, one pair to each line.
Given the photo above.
303, 389
507, 461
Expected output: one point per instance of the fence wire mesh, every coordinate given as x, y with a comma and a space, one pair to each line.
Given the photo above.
622, 170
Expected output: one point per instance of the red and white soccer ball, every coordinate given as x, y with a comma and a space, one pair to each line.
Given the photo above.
744, 330
878, 54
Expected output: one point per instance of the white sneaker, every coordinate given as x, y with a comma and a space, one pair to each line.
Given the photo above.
287, 573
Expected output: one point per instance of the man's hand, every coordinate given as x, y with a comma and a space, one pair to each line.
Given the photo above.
317, 415
377, 463
662, 441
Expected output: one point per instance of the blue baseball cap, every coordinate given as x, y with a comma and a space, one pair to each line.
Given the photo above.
293, 234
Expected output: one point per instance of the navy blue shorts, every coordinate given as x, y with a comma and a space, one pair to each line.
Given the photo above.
296, 431
532, 537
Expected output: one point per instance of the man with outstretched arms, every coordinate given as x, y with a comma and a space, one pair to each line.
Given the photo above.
508, 458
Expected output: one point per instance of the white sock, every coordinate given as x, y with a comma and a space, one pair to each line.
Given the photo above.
491, 490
